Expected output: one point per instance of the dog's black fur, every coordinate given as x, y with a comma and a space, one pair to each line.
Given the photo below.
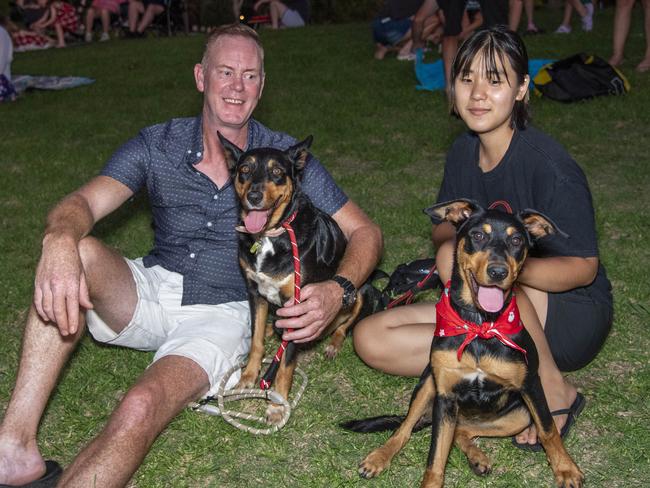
493, 390
268, 184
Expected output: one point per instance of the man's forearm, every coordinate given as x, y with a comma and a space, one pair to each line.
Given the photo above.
71, 218
362, 254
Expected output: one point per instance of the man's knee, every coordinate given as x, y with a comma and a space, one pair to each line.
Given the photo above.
138, 408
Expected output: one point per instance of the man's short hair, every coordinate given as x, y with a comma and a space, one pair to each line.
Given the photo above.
236, 29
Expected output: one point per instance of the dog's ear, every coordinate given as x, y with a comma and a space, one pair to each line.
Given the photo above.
455, 212
232, 152
299, 153
539, 225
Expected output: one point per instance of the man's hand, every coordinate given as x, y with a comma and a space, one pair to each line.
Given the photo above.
60, 286
320, 303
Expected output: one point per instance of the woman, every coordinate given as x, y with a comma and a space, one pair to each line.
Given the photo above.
566, 305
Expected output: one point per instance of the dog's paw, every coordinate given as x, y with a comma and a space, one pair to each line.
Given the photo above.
374, 464
571, 477
247, 380
481, 467
274, 414
331, 351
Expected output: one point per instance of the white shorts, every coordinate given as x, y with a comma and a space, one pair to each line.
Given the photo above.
216, 337
291, 18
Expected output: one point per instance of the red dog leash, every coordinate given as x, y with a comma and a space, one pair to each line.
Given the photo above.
269, 376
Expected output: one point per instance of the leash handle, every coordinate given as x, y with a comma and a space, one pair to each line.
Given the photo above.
269, 376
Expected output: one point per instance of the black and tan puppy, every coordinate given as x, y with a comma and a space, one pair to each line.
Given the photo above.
267, 183
482, 378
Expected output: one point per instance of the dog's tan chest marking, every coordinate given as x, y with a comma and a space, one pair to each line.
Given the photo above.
268, 286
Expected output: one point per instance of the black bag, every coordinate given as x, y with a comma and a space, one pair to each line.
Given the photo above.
579, 77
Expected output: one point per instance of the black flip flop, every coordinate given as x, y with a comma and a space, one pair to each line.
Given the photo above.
48, 480
572, 414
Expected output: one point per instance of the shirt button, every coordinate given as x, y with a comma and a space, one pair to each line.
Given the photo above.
215, 197
192, 255
198, 154
209, 224
189, 151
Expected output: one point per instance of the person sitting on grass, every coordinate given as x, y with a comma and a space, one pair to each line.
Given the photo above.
391, 28
7, 90
141, 14
187, 299
563, 293
288, 13
60, 16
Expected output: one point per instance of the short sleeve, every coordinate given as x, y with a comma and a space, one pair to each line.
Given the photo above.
129, 163
321, 188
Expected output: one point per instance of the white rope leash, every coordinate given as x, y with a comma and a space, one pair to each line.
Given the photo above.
222, 396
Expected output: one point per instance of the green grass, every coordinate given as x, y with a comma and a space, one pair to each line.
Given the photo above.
385, 143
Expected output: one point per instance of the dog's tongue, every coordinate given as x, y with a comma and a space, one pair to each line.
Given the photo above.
490, 298
255, 221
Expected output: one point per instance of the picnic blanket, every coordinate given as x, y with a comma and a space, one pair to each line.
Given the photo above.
26, 82
431, 76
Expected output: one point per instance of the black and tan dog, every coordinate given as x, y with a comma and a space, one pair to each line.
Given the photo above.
268, 184
482, 379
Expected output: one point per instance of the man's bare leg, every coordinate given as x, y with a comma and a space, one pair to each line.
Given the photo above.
559, 393
45, 352
116, 453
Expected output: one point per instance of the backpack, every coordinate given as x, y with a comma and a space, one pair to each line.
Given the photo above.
579, 77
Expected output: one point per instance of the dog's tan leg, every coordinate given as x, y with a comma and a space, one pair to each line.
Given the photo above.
445, 412
476, 458
379, 459
252, 369
567, 474
340, 325
282, 384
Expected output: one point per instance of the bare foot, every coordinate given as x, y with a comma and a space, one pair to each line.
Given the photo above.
19, 464
558, 396
643, 66
616, 60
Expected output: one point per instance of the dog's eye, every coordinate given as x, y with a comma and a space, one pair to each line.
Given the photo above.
245, 169
516, 240
478, 236
276, 171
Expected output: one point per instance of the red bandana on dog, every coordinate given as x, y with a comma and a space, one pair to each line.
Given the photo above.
449, 323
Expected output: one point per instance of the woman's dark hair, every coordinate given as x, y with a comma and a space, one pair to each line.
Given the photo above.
496, 43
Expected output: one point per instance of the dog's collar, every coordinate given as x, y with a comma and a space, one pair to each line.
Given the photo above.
449, 323
275, 232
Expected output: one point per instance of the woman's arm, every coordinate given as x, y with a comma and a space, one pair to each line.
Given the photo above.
558, 273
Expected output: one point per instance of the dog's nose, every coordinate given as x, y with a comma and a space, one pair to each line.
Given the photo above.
254, 197
497, 272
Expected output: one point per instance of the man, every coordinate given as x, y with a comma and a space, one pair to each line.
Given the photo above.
187, 298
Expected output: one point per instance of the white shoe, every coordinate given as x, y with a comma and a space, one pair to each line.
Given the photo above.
104, 37
563, 29
88, 37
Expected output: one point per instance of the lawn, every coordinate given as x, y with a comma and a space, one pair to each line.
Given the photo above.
385, 143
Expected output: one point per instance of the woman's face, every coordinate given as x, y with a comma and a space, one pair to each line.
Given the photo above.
484, 100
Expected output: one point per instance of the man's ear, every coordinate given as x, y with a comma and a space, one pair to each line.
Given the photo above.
198, 77
539, 225
455, 212
299, 153
232, 152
